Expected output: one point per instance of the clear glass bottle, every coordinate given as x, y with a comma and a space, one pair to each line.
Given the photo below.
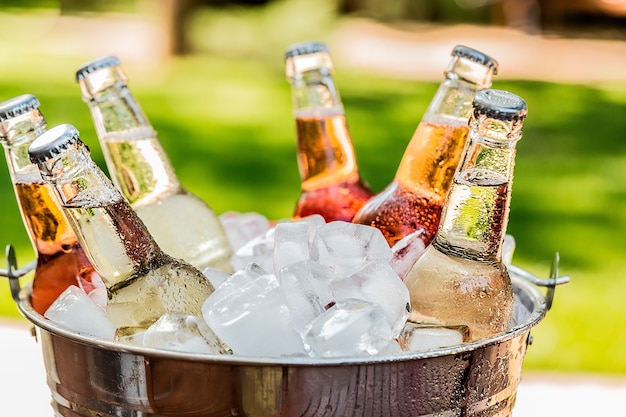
61, 261
182, 224
142, 281
414, 199
460, 279
331, 183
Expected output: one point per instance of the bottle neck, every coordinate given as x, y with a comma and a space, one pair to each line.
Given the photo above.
136, 160
432, 156
16, 135
325, 152
114, 238
475, 216
46, 225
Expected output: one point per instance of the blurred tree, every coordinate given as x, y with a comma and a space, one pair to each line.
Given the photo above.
174, 15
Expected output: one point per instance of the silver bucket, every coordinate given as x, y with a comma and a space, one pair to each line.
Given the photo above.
92, 377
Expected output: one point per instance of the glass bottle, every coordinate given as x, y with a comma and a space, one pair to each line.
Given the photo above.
142, 281
460, 279
61, 261
414, 199
182, 224
331, 183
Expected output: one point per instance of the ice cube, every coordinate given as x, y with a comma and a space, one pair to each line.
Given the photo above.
216, 276
259, 250
379, 284
292, 240
508, 247
240, 228
253, 320
419, 337
183, 333
291, 244
238, 280
306, 288
406, 252
76, 311
349, 328
130, 336
521, 312
98, 292
393, 348
345, 247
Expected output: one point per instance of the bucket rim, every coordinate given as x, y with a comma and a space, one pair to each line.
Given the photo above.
539, 309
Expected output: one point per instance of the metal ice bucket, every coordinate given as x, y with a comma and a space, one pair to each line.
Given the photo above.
92, 377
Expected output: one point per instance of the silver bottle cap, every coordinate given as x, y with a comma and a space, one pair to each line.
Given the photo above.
95, 65
500, 105
17, 106
306, 48
52, 143
476, 56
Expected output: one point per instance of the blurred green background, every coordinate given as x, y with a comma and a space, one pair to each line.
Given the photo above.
219, 100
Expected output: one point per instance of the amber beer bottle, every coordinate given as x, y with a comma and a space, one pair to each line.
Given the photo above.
182, 224
414, 199
460, 279
331, 184
142, 281
61, 261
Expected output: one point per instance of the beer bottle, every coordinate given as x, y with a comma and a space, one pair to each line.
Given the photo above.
461, 279
331, 183
182, 224
61, 261
413, 201
142, 281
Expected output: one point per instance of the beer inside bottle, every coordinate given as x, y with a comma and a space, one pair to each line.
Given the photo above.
142, 281
331, 185
414, 199
183, 225
460, 279
61, 261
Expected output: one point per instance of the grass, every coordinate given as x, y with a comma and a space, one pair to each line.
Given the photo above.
226, 124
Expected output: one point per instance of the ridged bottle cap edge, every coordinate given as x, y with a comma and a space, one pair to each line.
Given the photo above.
17, 106
52, 142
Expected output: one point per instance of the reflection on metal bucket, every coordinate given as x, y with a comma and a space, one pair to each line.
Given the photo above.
92, 377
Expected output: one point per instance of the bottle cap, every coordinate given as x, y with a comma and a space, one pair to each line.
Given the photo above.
95, 65
500, 105
306, 48
52, 143
476, 56
18, 105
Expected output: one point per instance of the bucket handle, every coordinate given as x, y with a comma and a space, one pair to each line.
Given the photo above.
550, 283
13, 273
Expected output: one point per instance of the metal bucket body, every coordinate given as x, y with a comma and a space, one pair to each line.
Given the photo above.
91, 377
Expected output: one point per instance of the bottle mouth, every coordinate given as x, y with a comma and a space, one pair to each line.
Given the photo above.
17, 106
499, 105
476, 56
95, 65
52, 142
306, 48
297, 65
